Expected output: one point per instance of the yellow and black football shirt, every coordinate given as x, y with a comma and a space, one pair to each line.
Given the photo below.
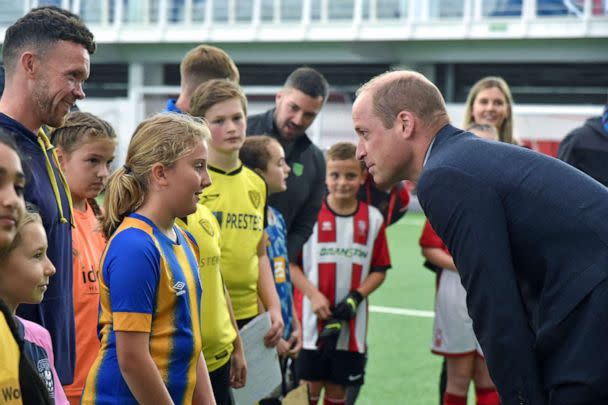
218, 331
238, 200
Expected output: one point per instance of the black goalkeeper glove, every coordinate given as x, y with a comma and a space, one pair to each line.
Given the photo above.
347, 308
328, 338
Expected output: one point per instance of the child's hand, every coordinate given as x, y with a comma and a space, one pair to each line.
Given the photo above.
238, 368
347, 308
320, 305
283, 347
276, 329
295, 340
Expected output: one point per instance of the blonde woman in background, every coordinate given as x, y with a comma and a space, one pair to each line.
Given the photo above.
490, 102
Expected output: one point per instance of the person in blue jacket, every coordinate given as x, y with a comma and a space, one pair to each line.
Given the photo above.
46, 56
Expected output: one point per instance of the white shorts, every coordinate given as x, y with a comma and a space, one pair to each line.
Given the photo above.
453, 328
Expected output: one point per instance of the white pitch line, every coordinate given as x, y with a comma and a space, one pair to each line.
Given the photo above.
402, 311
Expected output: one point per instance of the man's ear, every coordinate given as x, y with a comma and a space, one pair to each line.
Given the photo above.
278, 96
406, 122
28, 63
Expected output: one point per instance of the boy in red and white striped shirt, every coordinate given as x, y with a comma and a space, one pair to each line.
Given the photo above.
343, 261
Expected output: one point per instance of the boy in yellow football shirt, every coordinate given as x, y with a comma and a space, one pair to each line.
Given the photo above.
237, 197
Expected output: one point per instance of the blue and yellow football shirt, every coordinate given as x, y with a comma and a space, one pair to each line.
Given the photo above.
148, 283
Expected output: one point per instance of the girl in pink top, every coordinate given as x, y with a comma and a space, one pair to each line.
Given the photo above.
25, 270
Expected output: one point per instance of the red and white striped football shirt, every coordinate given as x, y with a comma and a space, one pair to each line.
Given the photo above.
337, 257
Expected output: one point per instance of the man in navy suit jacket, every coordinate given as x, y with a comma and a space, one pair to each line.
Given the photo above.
528, 233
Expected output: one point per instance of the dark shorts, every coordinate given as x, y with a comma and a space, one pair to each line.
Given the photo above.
242, 322
336, 366
220, 382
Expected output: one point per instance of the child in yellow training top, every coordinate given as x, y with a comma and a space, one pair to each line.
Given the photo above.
222, 346
85, 148
237, 197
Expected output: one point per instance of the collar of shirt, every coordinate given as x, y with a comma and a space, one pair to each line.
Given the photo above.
428, 152
171, 106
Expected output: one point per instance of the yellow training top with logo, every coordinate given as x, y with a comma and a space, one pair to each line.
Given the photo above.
238, 201
10, 390
218, 331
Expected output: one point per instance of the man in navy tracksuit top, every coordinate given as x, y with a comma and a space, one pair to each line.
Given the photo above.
297, 105
46, 57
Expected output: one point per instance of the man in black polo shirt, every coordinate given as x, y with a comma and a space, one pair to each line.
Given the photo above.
297, 105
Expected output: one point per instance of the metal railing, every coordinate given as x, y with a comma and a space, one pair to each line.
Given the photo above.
157, 21
155, 12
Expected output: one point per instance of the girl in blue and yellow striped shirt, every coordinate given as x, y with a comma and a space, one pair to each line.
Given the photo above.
150, 290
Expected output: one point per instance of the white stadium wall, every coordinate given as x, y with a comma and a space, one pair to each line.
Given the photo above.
538, 126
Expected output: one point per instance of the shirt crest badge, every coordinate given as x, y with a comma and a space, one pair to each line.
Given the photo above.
255, 198
362, 227
297, 168
206, 225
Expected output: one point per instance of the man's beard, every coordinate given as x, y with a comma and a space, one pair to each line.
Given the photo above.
44, 105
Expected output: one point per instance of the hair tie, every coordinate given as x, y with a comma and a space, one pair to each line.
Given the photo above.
127, 169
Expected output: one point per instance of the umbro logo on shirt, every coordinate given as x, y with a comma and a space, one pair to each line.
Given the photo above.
326, 226
179, 288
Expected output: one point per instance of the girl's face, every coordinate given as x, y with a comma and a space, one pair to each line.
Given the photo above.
187, 179
490, 107
25, 273
277, 170
227, 123
87, 167
12, 184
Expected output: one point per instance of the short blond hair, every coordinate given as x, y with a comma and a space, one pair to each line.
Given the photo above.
213, 92
203, 63
396, 91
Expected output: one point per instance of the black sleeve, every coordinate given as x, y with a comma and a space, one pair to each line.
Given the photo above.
474, 227
566, 149
302, 224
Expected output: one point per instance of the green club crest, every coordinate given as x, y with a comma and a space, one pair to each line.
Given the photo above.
297, 169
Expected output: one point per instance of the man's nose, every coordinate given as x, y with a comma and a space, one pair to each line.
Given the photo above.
298, 118
79, 92
360, 152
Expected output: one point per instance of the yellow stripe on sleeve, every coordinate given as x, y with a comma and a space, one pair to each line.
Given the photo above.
132, 322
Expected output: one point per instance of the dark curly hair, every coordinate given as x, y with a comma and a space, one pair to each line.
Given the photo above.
42, 27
